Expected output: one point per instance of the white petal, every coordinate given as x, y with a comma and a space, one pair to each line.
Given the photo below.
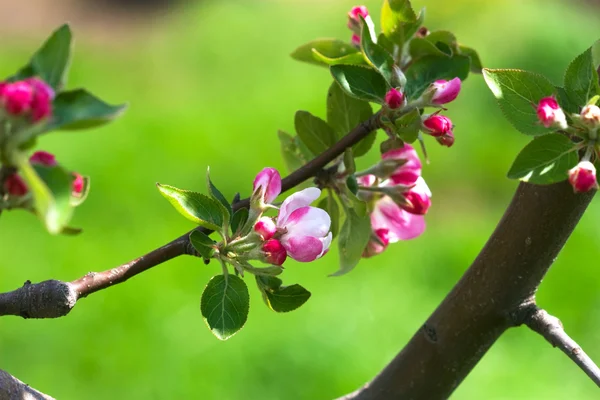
299, 199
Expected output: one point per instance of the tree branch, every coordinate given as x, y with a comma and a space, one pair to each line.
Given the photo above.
552, 330
13, 389
53, 298
489, 298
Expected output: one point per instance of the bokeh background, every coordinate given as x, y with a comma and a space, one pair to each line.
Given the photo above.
209, 83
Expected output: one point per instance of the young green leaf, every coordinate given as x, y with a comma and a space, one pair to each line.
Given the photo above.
376, 55
354, 59
315, 133
281, 298
408, 126
360, 82
421, 47
581, 78
196, 207
238, 220
51, 188
79, 109
353, 239
428, 69
476, 65
224, 305
344, 113
545, 160
518, 93
329, 49
218, 196
52, 60
203, 244
398, 21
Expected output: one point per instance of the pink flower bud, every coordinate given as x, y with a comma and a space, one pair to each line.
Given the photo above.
417, 199
583, 177
357, 11
394, 98
366, 180
437, 125
15, 186
407, 173
267, 184
17, 97
43, 94
447, 140
274, 252
43, 158
265, 227
445, 91
355, 40
78, 184
590, 116
378, 243
550, 114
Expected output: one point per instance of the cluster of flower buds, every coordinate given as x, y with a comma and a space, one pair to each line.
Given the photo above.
355, 23
398, 197
31, 98
586, 124
299, 231
15, 186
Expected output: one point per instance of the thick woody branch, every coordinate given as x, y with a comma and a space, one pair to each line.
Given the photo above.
552, 330
487, 300
13, 389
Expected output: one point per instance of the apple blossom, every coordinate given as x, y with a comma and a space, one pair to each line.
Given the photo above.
267, 185
550, 114
583, 177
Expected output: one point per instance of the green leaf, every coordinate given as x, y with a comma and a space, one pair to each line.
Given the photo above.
238, 220
203, 244
51, 188
428, 69
518, 93
315, 133
581, 78
421, 47
408, 126
396, 17
330, 49
476, 65
360, 82
292, 157
218, 196
281, 298
354, 58
330, 205
52, 60
196, 207
224, 305
344, 113
79, 109
545, 160
376, 55
353, 239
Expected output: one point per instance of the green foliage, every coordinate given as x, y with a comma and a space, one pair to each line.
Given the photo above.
279, 298
424, 71
545, 160
376, 55
224, 305
581, 77
291, 151
315, 133
238, 220
352, 240
330, 205
399, 21
344, 113
360, 82
196, 207
518, 93
408, 126
203, 244
221, 200
476, 65
327, 52
51, 61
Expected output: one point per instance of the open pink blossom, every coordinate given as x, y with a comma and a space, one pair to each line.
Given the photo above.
409, 172
401, 224
418, 198
267, 184
445, 91
305, 230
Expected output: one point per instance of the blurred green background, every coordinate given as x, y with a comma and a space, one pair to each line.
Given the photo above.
209, 85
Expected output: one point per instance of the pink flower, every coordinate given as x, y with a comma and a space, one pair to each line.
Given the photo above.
378, 243
78, 184
445, 91
43, 94
418, 198
357, 11
265, 227
17, 97
437, 125
355, 40
583, 177
590, 116
15, 186
267, 185
401, 224
43, 158
394, 98
550, 114
409, 172
306, 235
274, 252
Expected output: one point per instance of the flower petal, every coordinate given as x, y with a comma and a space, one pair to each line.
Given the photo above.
326, 243
299, 199
402, 225
303, 248
308, 221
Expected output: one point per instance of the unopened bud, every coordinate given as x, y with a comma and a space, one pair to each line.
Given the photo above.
265, 227
447, 140
15, 186
274, 252
437, 125
355, 40
267, 186
43, 158
590, 116
394, 98
442, 91
16, 97
550, 114
583, 177
78, 184
378, 243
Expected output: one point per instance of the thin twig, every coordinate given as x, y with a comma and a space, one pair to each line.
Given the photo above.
552, 330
